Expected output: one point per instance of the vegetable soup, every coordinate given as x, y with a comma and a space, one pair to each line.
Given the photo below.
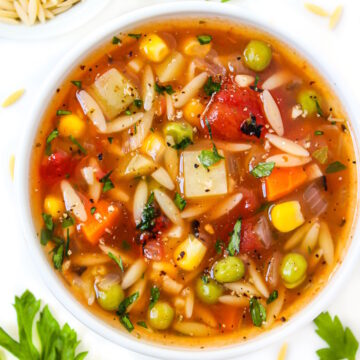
194, 181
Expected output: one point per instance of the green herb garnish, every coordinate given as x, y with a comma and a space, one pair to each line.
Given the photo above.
154, 296
77, 83
257, 312
123, 315
342, 342
135, 36
138, 103
262, 169
335, 167
63, 112
117, 260
53, 135
127, 112
234, 243
160, 89
67, 222
142, 324
272, 297
209, 157
179, 201
92, 210
219, 246
75, 142
58, 256
115, 40
110, 140
204, 39
318, 132
49, 224
211, 86
205, 279
108, 184
183, 144
318, 108
148, 215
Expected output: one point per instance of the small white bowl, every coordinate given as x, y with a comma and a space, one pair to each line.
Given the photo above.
79, 52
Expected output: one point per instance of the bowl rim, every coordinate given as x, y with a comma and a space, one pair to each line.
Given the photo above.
22, 167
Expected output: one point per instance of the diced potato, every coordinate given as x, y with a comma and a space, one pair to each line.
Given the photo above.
154, 48
54, 206
171, 68
71, 125
192, 47
114, 92
137, 165
192, 111
136, 65
287, 216
189, 254
154, 146
200, 182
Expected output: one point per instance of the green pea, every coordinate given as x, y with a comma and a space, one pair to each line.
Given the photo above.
208, 291
293, 270
309, 101
161, 315
109, 298
229, 269
257, 55
180, 131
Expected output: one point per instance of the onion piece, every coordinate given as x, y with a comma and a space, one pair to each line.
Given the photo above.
168, 207
225, 206
148, 88
276, 80
315, 200
163, 178
140, 199
72, 201
287, 160
123, 122
244, 80
92, 110
190, 90
287, 145
232, 147
272, 113
263, 231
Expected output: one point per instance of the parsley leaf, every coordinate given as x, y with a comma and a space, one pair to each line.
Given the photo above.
67, 222
272, 297
318, 132
162, 89
257, 312
92, 210
117, 260
110, 139
61, 112
135, 36
154, 297
204, 39
262, 169
321, 154
209, 157
219, 246
138, 103
56, 342
179, 201
124, 316
142, 324
49, 224
249, 127
335, 167
108, 184
183, 144
115, 40
234, 244
53, 135
205, 279
77, 83
58, 256
342, 342
255, 86
318, 108
148, 215
211, 86
75, 142
45, 236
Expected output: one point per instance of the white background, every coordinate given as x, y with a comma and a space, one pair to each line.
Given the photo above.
25, 64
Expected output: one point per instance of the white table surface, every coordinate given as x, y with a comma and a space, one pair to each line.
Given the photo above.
25, 64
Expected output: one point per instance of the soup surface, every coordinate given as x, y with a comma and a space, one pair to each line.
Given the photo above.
194, 180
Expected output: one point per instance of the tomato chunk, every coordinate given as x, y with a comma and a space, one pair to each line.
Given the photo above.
229, 111
56, 167
249, 240
153, 250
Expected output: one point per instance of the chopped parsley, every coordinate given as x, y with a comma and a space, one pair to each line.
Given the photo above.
77, 83
123, 315
92, 210
135, 36
115, 40
211, 86
117, 260
179, 201
110, 140
67, 222
219, 246
148, 215
49, 224
205, 279
249, 127
321, 154
257, 312
75, 142
160, 89
318, 108
61, 112
342, 343
142, 324
154, 296
204, 39
335, 167
125, 245
234, 243
183, 144
318, 132
138, 103
58, 256
262, 169
53, 135
127, 112
255, 86
108, 184
56, 342
272, 297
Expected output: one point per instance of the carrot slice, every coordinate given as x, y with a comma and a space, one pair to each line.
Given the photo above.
97, 224
283, 181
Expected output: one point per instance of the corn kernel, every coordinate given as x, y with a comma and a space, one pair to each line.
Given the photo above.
71, 125
189, 254
287, 216
192, 47
54, 206
154, 146
192, 111
154, 48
